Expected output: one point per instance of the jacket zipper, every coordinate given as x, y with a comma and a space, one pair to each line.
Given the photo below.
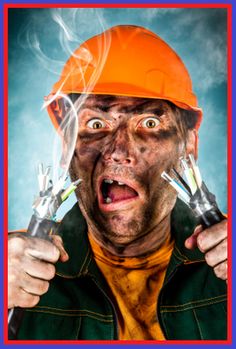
159, 302
112, 305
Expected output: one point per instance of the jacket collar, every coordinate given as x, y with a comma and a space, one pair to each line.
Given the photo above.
73, 230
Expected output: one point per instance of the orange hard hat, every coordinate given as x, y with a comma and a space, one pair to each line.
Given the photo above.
126, 60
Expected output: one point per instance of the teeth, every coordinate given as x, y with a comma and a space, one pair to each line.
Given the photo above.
108, 200
109, 181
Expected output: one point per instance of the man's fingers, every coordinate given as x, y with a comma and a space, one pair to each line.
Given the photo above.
39, 269
49, 251
212, 236
213, 243
31, 267
191, 242
217, 254
34, 286
57, 240
42, 249
208, 238
25, 300
221, 270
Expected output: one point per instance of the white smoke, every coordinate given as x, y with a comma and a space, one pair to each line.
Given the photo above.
68, 37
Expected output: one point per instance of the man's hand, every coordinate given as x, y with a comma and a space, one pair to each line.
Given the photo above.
31, 267
213, 243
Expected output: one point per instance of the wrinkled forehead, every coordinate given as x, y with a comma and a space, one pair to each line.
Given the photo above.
123, 104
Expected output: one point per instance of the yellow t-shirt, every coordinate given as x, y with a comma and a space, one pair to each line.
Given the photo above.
135, 284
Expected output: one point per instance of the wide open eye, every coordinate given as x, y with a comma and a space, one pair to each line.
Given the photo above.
96, 124
150, 122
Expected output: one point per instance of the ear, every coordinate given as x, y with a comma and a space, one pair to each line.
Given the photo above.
192, 143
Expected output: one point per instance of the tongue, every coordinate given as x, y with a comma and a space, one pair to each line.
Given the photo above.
118, 192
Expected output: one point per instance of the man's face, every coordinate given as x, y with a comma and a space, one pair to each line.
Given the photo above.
123, 146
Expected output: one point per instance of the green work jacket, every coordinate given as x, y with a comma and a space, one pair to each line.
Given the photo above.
191, 304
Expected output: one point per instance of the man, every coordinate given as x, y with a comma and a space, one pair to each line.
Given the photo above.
126, 262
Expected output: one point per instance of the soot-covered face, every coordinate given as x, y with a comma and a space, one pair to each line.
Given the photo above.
123, 146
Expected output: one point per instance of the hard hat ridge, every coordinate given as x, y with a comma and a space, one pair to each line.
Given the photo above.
127, 60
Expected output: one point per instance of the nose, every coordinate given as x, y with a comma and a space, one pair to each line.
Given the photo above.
121, 149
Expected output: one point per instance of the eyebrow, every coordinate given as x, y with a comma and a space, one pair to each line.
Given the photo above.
143, 108
134, 109
105, 103
96, 107
127, 109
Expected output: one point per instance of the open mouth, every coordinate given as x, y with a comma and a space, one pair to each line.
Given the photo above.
115, 191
